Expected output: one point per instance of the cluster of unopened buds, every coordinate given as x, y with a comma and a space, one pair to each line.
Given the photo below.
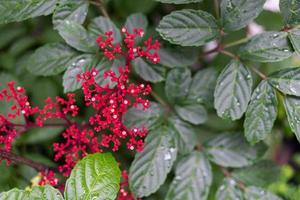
104, 128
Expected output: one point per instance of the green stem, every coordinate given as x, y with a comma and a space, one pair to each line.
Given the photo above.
237, 42
217, 8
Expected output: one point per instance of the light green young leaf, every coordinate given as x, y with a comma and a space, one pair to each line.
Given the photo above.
232, 150
14, 194
290, 10
294, 36
188, 27
233, 90
136, 20
179, 1
261, 113
292, 108
50, 59
193, 178
70, 10
202, 86
183, 133
194, 113
236, 14
255, 193
17, 10
261, 174
177, 84
267, 47
287, 80
96, 176
136, 117
229, 190
152, 73
100, 25
76, 36
46, 192
150, 167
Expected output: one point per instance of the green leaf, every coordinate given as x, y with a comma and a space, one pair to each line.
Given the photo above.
77, 65
136, 117
202, 86
233, 90
50, 59
14, 194
16, 10
294, 36
292, 108
262, 173
290, 10
261, 113
177, 57
229, 190
152, 73
267, 47
76, 36
193, 178
254, 193
177, 84
195, 113
179, 1
188, 27
287, 80
150, 167
236, 14
232, 150
46, 192
70, 10
96, 176
136, 20
100, 25
184, 135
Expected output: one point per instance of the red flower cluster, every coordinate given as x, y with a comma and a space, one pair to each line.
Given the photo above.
124, 194
109, 102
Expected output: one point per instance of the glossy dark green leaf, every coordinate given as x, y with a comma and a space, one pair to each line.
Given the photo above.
184, 134
202, 86
236, 14
148, 72
256, 193
179, 1
178, 57
292, 108
136, 117
194, 113
19, 10
50, 59
150, 167
100, 25
177, 84
232, 150
76, 36
267, 47
233, 90
261, 113
287, 80
294, 36
229, 190
262, 173
290, 10
14, 194
96, 176
70, 10
46, 192
193, 178
77, 65
188, 27
136, 20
